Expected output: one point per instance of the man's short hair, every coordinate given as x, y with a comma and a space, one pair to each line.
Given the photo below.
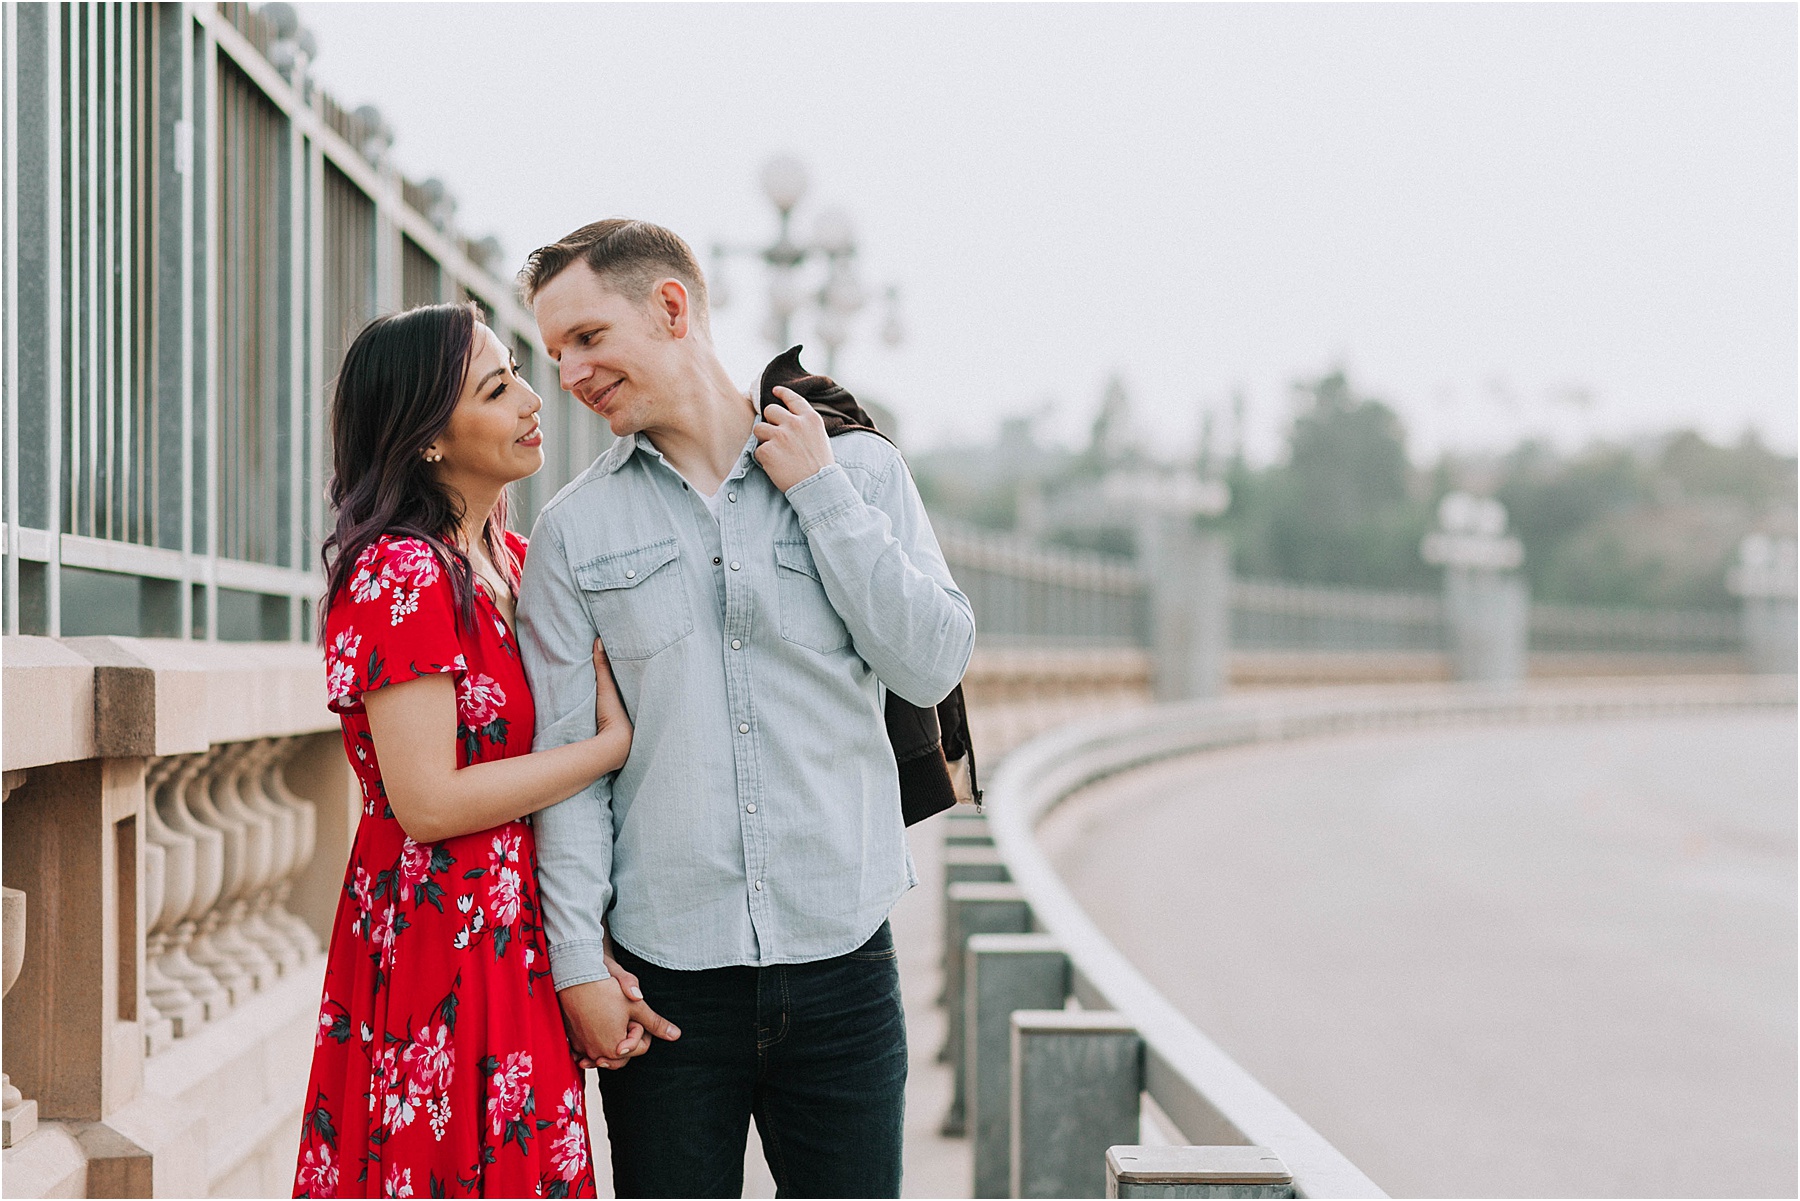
630, 256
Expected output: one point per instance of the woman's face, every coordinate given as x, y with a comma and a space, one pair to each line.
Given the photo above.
493, 436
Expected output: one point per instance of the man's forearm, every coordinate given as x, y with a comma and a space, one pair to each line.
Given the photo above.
574, 846
913, 627
574, 836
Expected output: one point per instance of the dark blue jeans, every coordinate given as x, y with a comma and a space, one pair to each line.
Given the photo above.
815, 1051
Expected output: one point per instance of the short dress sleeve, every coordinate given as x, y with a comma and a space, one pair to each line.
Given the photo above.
395, 621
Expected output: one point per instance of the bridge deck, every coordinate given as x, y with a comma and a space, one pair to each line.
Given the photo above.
1512, 961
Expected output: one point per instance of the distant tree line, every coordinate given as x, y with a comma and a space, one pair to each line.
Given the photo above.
1653, 523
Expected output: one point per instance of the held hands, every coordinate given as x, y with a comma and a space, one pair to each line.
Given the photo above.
612, 725
608, 1021
794, 445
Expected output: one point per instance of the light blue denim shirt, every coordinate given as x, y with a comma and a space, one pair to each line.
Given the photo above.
757, 820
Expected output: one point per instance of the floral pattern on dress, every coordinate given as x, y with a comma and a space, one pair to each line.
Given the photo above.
440, 1066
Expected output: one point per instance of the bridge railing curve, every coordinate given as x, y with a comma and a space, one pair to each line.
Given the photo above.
1211, 1099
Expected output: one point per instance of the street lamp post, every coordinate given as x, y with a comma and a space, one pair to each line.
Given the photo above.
837, 296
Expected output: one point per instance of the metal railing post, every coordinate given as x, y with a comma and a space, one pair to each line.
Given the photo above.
1196, 1172
966, 830
1077, 1080
973, 865
971, 909
965, 865
1005, 972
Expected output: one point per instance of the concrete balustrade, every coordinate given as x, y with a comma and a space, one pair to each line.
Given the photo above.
168, 807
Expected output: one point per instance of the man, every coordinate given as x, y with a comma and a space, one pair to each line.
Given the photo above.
756, 585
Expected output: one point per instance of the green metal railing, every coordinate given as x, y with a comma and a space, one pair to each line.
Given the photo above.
192, 232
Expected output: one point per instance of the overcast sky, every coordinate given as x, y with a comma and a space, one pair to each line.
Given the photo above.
1503, 219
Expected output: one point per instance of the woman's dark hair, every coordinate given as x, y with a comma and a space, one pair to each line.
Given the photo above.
399, 383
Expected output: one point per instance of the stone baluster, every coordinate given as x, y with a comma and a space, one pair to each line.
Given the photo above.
306, 840
158, 1030
18, 1117
196, 933
168, 972
252, 794
213, 801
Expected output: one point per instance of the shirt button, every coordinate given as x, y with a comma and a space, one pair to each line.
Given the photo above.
631, 575
743, 727
749, 808
759, 886
734, 565
732, 497
737, 645
717, 560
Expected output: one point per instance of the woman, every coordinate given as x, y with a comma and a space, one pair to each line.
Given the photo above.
441, 1067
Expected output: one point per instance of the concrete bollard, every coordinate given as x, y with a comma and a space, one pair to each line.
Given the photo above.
971, 909
1077, 1076
1196, 1172
1003, 973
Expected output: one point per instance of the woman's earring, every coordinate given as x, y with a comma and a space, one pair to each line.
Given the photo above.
434, 458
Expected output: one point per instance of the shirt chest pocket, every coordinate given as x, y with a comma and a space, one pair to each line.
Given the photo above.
637, 600
807, 615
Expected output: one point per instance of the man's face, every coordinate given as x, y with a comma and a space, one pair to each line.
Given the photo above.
614, 354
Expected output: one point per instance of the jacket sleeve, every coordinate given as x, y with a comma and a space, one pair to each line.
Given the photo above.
885, 575
574, 836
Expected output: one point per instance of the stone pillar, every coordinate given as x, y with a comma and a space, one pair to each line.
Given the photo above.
971, 909
1190, 607
1764, 581
1487, 607
1196, 1172
1005, 972
1077, 1077
1489, 614
72, 1038
18, 1117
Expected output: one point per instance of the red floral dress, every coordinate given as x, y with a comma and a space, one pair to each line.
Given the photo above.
440, 1067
